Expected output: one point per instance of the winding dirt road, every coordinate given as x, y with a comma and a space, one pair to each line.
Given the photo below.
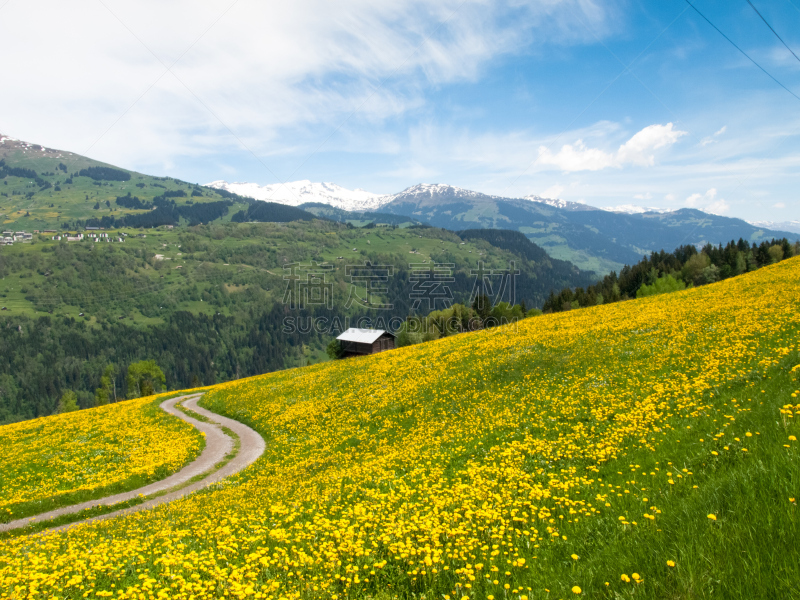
218, 445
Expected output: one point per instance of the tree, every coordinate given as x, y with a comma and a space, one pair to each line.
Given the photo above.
107, 390
692, 270
68, 402
662, 285
334, 349
776, 253
482, 306
144, 378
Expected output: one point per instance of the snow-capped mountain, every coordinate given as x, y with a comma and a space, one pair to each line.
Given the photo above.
559, 203
793, 226
424, 191
295, 193
632, 209
434, 191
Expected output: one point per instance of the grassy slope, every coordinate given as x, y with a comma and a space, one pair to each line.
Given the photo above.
237, 257
502, 464
69, 459
76, 200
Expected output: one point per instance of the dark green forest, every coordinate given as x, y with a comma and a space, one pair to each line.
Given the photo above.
668, 271
41, 358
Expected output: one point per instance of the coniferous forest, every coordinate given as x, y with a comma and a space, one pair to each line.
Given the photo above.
669, 271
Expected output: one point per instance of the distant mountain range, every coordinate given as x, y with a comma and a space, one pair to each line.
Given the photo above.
295, 193
592, 238
792, 226
45, 188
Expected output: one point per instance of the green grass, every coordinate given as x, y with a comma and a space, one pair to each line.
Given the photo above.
749, 551
103, 509
583, 260
471, 449
244, 259
87, 513
49, 208
27, 509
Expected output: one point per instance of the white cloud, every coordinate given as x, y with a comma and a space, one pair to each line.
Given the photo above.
645, 196
280, 75
720, 207
638, 150
779, 205
577, 157
711, 138
708, 202
554, 191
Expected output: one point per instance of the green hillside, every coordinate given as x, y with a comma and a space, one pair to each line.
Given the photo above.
644, 449
194, 277
209, 304
42, 188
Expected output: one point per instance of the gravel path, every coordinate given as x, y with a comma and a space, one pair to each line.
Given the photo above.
218, 445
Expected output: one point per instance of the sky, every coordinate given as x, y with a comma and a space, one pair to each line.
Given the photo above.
604, 102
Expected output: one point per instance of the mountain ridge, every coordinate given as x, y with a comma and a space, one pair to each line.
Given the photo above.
593, 238
295, 193
40, 191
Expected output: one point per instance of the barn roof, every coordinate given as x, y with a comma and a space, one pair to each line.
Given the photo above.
362, 336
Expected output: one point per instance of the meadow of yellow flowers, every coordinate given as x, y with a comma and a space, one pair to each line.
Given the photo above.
66, 459
639, 449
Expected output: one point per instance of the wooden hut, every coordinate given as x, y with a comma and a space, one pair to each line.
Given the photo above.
357, 342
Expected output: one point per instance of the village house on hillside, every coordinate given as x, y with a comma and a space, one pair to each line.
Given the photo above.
357, 342
9, 237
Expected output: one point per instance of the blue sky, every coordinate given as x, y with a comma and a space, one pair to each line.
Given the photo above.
608, 103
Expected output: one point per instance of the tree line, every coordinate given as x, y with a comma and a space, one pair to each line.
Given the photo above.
6, 171
671, 271
144, 378
164, 212
271, 212
459, 318
105, 173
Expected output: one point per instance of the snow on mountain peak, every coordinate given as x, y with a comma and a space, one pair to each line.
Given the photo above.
632, 209
429, 190
557, 202
791, 226
295, 193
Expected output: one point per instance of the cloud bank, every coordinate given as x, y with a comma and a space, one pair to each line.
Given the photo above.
638, 150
